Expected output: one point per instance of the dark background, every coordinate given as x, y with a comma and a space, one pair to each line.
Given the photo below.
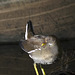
49, 17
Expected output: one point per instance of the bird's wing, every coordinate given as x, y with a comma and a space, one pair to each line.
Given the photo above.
36, 40
26, 46
32, 43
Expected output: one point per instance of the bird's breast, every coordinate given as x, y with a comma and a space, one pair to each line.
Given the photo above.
45, 56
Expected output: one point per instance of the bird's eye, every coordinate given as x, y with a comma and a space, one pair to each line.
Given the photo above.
53, 39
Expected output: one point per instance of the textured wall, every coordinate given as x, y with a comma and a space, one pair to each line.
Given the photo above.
49, 17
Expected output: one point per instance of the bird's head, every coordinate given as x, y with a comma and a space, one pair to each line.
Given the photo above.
51, 40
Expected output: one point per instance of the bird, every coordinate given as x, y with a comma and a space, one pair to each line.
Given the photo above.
43, 49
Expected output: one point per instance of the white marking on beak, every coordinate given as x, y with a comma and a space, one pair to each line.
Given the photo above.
26, 33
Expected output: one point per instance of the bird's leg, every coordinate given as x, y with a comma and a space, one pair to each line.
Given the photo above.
36, 70
42, 69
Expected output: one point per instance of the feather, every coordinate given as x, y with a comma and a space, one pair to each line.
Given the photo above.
26, 46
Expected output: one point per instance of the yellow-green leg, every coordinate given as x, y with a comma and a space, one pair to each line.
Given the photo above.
42, 69
37, 73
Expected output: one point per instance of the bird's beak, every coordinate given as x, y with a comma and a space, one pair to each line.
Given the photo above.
43, 44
